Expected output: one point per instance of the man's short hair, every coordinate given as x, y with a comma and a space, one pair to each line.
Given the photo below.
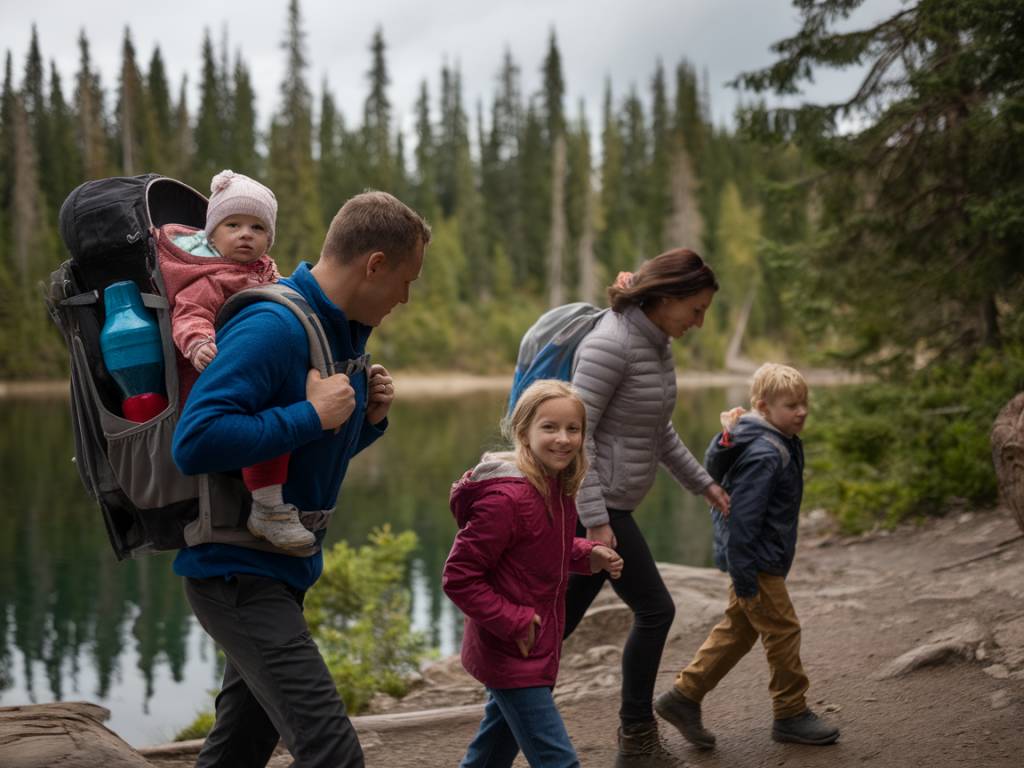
374, 221
773, 379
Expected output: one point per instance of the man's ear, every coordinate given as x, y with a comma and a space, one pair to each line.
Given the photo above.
375, 263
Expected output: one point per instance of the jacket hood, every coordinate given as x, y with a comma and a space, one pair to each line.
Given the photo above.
493, 469
726, 448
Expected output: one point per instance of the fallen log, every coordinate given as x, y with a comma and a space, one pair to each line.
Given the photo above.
70, 734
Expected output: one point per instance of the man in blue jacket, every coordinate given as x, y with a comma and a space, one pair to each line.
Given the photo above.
259, 399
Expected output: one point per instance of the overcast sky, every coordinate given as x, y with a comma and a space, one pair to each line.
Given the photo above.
598, 39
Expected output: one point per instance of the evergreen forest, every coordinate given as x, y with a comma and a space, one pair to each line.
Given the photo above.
881, 231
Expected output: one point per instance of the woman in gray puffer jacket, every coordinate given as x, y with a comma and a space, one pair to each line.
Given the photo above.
625, 374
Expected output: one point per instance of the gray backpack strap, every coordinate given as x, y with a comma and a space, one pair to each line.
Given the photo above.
779, 446
319, 350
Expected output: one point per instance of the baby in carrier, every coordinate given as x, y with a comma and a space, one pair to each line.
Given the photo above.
201, 270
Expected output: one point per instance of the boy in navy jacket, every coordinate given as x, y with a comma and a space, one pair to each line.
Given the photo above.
759, 460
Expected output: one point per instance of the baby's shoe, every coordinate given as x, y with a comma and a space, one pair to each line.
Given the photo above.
805, 728
280, 525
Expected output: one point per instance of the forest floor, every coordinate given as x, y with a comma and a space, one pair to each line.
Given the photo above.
913, 640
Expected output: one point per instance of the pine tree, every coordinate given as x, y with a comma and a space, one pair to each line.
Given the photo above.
659, 200
501, 173
181, 143
93, 141
34, 102
7, 97
614, 249
554, 88
330, 167
424, 193
210, 143
635, 167
291, 171
242, 155
377, 118
580, 208
917, 249
131, 126
68, 173
685, 225
158, 100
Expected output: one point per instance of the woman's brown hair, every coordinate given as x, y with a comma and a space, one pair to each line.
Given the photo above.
674, 274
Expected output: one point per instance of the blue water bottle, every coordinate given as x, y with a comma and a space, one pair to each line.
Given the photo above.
133, 352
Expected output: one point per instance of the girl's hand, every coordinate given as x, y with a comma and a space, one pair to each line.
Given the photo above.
602, 534
718, 498
526, 644
203, 355
604, 559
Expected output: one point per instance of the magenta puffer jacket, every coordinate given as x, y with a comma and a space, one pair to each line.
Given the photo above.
510, 560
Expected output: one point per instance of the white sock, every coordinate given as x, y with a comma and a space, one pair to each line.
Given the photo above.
268, 495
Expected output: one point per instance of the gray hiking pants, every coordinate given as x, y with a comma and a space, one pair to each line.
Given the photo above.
275, 681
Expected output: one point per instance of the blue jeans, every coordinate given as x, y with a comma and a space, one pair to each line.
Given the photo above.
521, 718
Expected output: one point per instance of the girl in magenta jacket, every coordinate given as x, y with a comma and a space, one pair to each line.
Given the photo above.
508, 570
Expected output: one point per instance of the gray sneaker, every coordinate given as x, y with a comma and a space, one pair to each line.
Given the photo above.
684, 714
280, 526
805, 728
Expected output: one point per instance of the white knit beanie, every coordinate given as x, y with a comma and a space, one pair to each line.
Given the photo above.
232, 193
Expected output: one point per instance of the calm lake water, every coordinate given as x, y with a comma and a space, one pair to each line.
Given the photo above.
77, 625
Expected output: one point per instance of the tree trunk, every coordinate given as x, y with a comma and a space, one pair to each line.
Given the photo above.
556, 250
1008, 456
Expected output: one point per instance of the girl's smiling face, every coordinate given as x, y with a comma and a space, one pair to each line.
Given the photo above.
555, 436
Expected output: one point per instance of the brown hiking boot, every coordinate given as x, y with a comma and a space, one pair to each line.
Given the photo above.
640, 745
684, 714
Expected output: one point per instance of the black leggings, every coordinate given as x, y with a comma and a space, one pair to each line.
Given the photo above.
642, 589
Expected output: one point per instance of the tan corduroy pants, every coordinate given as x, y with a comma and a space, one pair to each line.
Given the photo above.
769, 616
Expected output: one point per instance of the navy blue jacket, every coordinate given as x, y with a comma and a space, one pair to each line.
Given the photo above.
249, 405
763, 471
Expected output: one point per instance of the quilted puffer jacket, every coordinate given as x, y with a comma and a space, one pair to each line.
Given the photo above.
625, 374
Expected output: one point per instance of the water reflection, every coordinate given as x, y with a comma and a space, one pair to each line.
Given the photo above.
76, 624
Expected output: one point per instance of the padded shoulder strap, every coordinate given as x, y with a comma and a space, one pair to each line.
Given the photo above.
319, 350
780, 447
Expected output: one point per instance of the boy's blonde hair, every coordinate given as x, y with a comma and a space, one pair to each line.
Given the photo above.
516, 426
773, 379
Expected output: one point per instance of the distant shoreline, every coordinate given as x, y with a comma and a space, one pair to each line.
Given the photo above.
448, 385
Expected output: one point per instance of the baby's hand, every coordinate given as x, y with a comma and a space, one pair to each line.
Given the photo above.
203, 355
728, 419
604, 559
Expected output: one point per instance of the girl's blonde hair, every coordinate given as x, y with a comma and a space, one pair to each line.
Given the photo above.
516, 426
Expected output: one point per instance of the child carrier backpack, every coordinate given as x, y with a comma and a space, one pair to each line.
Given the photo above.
549, 346
148, 505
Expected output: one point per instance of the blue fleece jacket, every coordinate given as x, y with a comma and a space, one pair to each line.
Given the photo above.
249, 405
762, 469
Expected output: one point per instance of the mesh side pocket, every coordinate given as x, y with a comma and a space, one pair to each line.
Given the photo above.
140, 454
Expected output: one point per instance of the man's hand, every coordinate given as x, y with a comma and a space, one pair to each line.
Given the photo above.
381, 394
332, 398
718, 498
604, 559
526, 644
602, 534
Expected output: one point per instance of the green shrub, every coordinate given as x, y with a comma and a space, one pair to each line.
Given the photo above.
198, 728
880, 452
358, 612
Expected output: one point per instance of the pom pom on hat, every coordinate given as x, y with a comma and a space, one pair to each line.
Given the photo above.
235, 193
